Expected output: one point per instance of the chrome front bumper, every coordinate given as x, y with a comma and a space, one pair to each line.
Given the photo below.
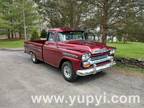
95, 69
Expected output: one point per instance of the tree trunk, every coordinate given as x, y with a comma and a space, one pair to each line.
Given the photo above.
125, 38
104, 21
104, 35
112, 38
8, 34
20, 35
15, 35
12, 35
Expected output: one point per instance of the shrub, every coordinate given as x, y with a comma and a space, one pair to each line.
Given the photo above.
43, 33
34, 35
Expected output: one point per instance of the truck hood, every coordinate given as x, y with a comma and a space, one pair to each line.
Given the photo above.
82, 45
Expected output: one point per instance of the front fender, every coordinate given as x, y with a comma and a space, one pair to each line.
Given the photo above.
75, 62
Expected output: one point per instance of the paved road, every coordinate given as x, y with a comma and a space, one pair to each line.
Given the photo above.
20, 78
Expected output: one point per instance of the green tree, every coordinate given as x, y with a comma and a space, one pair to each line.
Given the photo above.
64, 12
34, 35
18, 15
115, 17
43, 34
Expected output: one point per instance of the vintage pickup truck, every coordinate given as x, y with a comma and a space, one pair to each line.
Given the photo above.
69, 50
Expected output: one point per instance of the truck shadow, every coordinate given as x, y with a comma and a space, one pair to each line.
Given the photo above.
90, 78
80, 79
51, 68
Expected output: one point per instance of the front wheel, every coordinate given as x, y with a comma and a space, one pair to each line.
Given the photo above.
68, 72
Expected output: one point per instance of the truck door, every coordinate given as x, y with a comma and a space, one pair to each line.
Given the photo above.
50, 49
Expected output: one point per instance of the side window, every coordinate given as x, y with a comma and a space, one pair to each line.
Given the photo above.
61, 37
51, 37
48, 36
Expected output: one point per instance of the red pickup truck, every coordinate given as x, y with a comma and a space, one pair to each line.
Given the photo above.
69, 50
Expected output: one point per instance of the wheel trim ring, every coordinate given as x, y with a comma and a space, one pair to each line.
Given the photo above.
67, 71
33, 57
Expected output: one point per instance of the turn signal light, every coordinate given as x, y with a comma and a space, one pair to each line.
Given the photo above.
86, 65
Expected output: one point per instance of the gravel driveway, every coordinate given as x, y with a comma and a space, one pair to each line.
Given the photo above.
20, 79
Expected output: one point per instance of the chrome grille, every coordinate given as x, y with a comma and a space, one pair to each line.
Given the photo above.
99, 57
100, 51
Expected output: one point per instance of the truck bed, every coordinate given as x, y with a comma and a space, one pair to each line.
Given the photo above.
36, 47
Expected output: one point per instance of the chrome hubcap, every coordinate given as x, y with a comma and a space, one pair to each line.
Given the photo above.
67, 71
33, 57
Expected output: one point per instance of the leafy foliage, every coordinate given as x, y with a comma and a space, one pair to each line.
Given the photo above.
34, 35
13, 15
43, 33
123, 18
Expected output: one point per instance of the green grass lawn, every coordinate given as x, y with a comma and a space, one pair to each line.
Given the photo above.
11, 43
129, 50
129, 68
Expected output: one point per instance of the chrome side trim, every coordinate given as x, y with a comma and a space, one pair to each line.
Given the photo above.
70, 55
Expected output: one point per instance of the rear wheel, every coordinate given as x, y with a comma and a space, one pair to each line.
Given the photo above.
68, 72
33, 58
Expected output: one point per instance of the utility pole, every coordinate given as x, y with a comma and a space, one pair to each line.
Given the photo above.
24, 23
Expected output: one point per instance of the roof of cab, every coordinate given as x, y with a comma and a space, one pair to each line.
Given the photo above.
62, 30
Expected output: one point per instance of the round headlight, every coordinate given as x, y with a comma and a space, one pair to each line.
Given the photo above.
86, 56
112, 51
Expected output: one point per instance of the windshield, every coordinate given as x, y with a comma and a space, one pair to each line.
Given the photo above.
64, 36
